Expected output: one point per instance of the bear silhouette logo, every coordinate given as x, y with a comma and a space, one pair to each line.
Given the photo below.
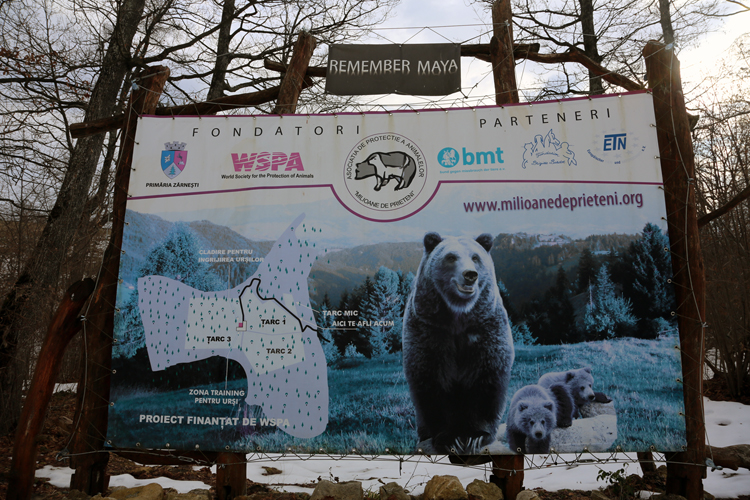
385, 167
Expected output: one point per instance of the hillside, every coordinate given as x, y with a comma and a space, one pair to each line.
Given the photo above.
347, 268
526, 263
143, 231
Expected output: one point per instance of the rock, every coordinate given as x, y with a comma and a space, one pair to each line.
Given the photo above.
351, 490
662, 471
731, 457
708, 496
444, 488
99, 496
591, 410
77, 495
595, 434
665, 496
190, 495
392, 491
152, 491
261, 495
527, 495
479, 490
598, 495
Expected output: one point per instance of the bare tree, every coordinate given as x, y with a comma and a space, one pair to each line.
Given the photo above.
62, 62
722, 142
38, 67
610, 33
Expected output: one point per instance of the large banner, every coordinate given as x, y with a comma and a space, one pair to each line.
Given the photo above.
454, 281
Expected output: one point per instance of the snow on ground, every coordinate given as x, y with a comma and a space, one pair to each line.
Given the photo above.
726, 424
60, 477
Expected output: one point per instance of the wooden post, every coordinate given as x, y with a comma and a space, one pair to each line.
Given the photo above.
61, 331
231, 470
686, 469
507, 470
646, 461
87, 458
231, 476
501, 54
507, 473
292, 82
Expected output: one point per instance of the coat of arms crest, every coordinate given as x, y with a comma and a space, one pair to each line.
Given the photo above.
173, 159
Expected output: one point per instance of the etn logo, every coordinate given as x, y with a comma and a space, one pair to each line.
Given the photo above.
614, 142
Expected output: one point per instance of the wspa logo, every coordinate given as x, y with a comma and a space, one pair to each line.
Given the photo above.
265, 161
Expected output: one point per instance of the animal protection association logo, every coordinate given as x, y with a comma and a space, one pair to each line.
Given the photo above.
386, 167
385, 171
173, 159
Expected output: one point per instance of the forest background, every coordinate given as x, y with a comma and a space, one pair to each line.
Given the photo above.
69, 61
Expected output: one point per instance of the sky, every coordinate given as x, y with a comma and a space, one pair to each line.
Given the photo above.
417, 21
725, 422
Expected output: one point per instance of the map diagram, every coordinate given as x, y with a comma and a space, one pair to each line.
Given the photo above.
265, 323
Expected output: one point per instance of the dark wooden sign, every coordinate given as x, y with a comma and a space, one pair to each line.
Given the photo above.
417, 69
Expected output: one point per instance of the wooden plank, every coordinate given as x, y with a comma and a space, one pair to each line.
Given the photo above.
293, 81
501, 54
78, 130
87, 457
482, 50
222, 103
686, 469
479, 50
65, 324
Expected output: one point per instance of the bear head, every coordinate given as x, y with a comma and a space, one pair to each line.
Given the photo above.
537, 418
580, 382
460, 269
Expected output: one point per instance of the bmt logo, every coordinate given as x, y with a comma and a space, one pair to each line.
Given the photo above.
449, 157
614, 142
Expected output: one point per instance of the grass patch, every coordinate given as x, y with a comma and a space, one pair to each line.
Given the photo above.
370, 409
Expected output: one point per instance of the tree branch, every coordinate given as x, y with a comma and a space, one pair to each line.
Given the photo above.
20, 207
728, 206
575, 55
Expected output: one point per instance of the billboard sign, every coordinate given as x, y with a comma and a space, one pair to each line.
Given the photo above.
471, 280
412, 69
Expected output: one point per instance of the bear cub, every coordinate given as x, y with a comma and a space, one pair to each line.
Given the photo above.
531, 420
457, 345
571, 389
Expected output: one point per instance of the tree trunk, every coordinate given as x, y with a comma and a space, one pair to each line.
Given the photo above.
91, 415
665, 19
685, 469
502, 54
41, 273
294, 79
223, 57
590, 44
